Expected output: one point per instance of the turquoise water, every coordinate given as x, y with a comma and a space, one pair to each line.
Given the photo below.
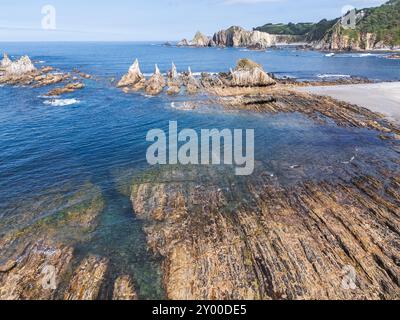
100, 138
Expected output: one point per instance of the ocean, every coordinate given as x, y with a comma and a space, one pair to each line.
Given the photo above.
49, 149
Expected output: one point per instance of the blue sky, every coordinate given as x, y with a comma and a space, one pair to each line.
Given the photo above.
134, 20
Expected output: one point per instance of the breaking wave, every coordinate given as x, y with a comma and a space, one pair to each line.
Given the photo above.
60, 102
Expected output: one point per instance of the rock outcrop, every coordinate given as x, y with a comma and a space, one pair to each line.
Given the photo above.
155, 85
260, 239
22, 66
87, 279
238, 37
191, 83
134, 79
23, 73
124, 289
233, 37
68, 88
250, 74
199, 40
173, 81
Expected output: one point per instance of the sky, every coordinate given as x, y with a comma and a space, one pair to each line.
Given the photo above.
153, 20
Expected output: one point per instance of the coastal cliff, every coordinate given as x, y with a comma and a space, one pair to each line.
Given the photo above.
376, 29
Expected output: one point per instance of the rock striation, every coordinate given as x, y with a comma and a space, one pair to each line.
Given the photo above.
22, 66
233, 37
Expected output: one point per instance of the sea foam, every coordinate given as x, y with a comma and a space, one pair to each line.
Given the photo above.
61, 102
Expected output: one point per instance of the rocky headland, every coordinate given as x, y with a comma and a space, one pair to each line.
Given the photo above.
236, 36
374, 29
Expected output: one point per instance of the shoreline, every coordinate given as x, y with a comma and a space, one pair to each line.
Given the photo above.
380, 97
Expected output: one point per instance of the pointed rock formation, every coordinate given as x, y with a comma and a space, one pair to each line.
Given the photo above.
250, 74
156, 83
174, 83
134, 78
5, 62
22, 66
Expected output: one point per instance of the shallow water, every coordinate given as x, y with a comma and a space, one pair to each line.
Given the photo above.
50, 147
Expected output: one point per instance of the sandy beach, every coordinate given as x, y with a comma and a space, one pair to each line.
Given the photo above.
382, 97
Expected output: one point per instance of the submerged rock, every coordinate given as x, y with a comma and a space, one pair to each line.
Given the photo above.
134, 78
280, 243
155, 85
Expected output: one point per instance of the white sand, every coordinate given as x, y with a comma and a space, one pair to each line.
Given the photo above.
382, 97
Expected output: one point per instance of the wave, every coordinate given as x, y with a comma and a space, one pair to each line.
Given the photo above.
61, 102
323, 76
329, 55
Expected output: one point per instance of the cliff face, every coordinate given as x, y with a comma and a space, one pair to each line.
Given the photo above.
340, 39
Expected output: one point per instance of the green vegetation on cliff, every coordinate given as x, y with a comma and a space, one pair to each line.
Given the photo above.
294, 29
384, 21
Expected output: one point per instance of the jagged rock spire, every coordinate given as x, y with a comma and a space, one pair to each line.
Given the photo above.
133, 78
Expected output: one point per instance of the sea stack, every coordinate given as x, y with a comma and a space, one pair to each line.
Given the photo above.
22, 66
174, 83
250, 74
156, 83
134, 78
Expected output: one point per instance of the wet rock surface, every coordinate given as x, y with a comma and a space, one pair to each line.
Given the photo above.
260, 239
40, 261
68, 88
87, 279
